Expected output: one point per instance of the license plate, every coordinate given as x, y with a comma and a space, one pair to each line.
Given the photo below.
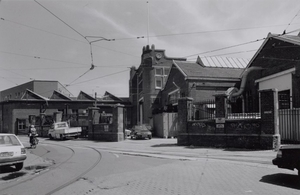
6, 154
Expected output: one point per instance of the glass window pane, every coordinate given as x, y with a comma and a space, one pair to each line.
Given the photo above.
158, 71
167, 71
158, 83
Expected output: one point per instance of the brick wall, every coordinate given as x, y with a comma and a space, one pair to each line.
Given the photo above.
231, 133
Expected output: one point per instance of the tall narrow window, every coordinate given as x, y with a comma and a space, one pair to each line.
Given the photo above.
158, 82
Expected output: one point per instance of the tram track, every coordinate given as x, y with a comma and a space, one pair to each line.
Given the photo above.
56, 166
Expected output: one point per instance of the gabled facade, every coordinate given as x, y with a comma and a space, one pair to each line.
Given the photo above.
195, 80
147, 81
276, 65
15, 112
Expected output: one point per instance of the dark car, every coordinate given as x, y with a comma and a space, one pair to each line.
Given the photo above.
140, 132
288, 157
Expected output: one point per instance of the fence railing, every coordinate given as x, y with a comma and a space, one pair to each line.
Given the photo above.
204, 110
243, 116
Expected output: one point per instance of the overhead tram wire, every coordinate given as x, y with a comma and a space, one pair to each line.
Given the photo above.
55, 60
85, 37
291, 21
97, 78
237, 45
142, 36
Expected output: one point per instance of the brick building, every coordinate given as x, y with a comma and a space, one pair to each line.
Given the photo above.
147, 81
22, 101
198, 81
274, 66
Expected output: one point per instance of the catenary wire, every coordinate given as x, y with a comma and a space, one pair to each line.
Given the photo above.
97, 78
237, 45
291, 20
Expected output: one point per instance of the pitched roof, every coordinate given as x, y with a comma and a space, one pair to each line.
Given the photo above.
222, 61
109, 96
294, 39
84, 96
288, 38
193, 70
30, 95
59, 96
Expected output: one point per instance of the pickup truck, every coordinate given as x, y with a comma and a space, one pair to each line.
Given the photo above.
62, 130
288, 157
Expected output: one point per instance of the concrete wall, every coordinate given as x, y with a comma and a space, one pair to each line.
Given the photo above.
166, 125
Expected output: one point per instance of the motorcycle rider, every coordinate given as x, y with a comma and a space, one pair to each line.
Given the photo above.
32, 133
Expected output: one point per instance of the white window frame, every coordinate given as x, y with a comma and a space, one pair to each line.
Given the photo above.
173, 92
22, 122
161, 81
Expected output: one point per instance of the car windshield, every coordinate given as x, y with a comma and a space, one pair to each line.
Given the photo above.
9, 140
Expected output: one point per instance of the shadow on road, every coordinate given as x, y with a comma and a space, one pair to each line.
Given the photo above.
282, 179
13, 175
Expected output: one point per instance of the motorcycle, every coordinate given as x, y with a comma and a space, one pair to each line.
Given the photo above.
34, 141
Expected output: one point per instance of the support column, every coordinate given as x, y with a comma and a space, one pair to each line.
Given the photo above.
270, 137
184, 114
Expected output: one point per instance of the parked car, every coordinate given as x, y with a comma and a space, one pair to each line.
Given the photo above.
288, 157
12, 151
127, 132
140, 132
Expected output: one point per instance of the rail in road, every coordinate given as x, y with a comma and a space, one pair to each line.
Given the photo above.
23, 184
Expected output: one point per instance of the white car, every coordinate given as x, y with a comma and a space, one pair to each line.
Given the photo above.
12, 151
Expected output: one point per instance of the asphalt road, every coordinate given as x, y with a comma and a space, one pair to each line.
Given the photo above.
147, 167
66, 166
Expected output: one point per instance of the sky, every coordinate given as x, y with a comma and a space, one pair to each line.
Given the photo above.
50, 40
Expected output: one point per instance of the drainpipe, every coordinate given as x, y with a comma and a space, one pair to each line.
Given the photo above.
237, 92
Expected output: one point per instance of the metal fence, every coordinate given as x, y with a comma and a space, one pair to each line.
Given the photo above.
204, 110
243, 116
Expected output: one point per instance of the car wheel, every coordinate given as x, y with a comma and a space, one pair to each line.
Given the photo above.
19, 166
149, 136
50, 136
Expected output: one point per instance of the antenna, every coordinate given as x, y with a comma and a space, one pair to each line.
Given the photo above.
148, 23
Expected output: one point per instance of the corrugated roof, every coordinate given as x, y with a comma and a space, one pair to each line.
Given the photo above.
221, 61
193, 69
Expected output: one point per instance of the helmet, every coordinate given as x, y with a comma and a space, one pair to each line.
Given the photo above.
32, 126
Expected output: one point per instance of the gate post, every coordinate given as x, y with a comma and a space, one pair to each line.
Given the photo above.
92, 112
118, 123
221, 112
270, 137
184, 115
